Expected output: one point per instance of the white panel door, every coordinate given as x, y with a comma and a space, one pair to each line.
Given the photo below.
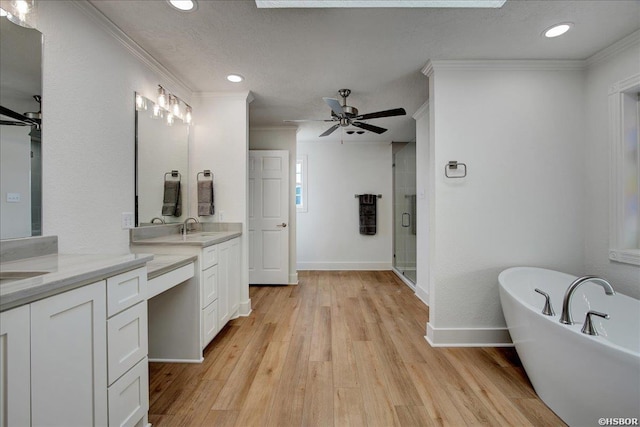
268, 217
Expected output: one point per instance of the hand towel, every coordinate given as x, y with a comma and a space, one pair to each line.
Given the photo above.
171, 203
368, 214
205, 198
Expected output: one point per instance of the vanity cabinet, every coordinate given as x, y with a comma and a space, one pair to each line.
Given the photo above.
78, 358
15, 359
69, 358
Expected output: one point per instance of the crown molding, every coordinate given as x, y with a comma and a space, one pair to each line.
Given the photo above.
134, 48
508, 65
627, 42
420, 112
209, 95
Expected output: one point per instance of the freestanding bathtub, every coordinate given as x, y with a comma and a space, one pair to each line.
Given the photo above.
582, 378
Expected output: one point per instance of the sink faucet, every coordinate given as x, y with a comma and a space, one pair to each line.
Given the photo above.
186, 224
159, 219
565, 317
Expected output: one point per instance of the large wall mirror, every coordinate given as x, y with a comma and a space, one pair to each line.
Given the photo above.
20, 131
162, 166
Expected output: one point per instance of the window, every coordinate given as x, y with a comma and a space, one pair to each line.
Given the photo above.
624, 106
301, 184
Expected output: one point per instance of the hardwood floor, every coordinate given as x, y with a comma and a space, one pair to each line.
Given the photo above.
342, 349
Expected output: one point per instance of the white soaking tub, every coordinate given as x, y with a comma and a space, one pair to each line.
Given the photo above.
582, 378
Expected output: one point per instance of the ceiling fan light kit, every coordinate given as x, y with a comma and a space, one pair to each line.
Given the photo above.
347, 115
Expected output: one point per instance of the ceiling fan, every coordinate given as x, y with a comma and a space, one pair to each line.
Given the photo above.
346, 115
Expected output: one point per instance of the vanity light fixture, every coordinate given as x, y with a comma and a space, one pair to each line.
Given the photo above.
141, 102
20, 12
235, 78
183, 5
170, 104
557, 29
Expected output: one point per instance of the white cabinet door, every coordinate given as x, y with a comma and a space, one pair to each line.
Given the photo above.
69, 358
223, 283
15, 379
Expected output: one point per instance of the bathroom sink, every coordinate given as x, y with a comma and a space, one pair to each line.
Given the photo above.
12, 276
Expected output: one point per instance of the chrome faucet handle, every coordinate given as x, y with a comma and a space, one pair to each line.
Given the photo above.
588, 327
548, 309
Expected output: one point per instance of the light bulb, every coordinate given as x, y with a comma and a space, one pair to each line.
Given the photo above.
557, 30
235, 78
3, 12
176, 107
188, 118
162, 97
141, 103
22, 7
169, 119
157, 111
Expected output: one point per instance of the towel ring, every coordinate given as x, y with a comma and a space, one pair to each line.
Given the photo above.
206, 173
379, 196
174, 174
453, 165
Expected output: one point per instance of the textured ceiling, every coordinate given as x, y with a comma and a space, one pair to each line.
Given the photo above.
291, 58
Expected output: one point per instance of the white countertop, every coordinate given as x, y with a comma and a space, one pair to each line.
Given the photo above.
201, 238
62, 272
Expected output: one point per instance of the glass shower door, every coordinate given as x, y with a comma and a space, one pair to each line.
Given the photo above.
404, 202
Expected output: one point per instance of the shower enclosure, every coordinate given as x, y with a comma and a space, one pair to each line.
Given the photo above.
404, 209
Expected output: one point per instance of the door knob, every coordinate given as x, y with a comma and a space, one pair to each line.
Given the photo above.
283, 225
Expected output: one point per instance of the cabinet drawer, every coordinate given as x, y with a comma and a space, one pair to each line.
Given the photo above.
209, 286
129, 396
209, 323
127, 341
125, 290
209, 257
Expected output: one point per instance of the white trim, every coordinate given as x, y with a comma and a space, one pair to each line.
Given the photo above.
338, 266
420, 112
274, 128
244, 309
500, 64
423, 295
617, 93
200, 360
134, 48
243, 95
614, 49
293, 279
468, 337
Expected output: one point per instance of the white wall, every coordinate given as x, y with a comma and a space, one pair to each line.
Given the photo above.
221, 144
282, 138
328, 235
89, 80
605, 69
519, 127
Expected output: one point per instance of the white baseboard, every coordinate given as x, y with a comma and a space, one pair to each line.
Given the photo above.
468, 337
293, 278
200, 360
377, 266
422, 295
245, 308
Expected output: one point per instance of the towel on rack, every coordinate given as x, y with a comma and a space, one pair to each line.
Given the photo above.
205, 198
367, 204
172, 201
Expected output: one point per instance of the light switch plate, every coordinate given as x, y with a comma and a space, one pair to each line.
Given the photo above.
127, 220
13, 197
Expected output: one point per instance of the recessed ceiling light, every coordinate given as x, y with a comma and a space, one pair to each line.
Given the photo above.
235, 78
183, 5
3, 12
557, 29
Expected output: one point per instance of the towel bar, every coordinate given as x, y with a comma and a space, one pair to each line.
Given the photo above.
206, 173
174, 174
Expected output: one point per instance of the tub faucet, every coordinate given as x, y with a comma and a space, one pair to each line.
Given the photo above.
185, 226
565, 317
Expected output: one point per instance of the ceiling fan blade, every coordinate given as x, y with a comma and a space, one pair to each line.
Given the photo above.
330, 130
309, 120
369, 127
379, 114
335, 106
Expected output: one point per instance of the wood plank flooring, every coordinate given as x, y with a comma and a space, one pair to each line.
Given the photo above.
342, 349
